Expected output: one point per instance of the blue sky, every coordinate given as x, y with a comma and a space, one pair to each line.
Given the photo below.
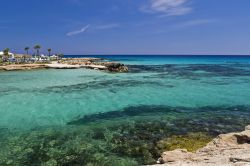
127, 26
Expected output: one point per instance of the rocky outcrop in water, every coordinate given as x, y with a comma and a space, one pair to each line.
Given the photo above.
71, 63
226, 150
116, 67
96, 63
79, 61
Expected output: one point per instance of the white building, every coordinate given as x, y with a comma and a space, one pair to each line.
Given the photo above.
11, 54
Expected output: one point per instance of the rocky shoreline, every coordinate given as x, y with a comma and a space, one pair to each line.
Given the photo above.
231, 149
71, 63
14, 67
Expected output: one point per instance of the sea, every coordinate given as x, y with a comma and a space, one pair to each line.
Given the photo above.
90, 117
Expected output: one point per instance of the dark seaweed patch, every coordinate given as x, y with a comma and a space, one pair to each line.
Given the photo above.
216, 82
212, 120
8, 90
116, 140
219, 70
206, 119
193, 71
103, 85
126, 112
150, 68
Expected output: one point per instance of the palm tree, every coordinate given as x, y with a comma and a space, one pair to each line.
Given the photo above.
27, 50
49, 50
37, 48
6, 53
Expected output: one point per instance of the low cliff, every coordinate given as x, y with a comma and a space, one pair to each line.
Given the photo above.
226, 150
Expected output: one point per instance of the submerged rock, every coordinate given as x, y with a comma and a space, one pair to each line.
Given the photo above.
191, 142
131, 136
54, 147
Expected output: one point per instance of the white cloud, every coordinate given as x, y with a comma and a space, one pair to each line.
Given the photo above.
107, 26
78, 31
167, 7
99, 27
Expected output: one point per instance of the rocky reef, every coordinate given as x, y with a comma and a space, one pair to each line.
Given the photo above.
116, 67
95, 63
227, 149
57, 147
79, 61
136, 135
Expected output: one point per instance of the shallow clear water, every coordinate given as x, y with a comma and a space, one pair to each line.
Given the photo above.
199, 88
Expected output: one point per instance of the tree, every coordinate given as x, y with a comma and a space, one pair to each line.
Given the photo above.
49, 50
1, 59
27, 50
6, 53
60, 56
37, 48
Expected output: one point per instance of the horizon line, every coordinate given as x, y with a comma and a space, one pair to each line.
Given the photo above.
157, 54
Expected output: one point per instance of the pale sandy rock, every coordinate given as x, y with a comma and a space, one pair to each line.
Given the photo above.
22, 67
71, 63
96, 67
231, 149
177, 155
63, 66
247, 127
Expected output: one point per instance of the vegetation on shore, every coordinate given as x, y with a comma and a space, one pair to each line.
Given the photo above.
8, 58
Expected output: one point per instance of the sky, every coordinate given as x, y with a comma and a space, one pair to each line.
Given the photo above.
112, 27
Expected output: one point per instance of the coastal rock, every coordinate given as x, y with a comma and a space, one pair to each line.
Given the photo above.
116, 67
79, 61
14, 67
70, 63
176, 155
95, 63
227, 149
63, 66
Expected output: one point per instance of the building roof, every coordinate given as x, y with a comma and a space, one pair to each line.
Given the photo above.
1, 53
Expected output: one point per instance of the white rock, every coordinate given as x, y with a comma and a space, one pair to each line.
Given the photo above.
247, 127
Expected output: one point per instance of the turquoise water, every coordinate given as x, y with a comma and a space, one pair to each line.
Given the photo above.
212, 92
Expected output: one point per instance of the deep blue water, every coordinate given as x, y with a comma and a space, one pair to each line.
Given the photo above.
170, 59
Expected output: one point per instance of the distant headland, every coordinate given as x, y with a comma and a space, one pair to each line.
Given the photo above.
11, 61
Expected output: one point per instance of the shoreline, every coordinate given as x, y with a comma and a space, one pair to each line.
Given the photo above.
227, 149
70, 63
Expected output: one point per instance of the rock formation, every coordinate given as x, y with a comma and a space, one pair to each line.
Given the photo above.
71, 63
116, 67
226, 150
23, 67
